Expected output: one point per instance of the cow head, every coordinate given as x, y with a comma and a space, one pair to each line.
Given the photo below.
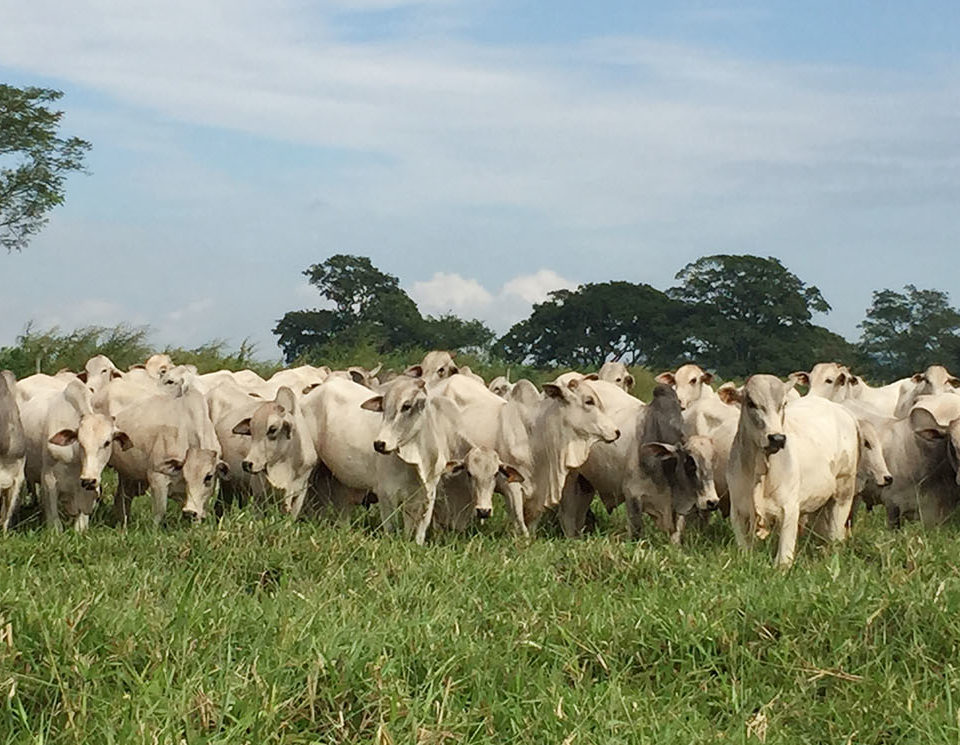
935, 379
157, 364
178, 380
482, 469
403, 406
687, 469
927, 427
872, 465
271, 430
762, 412
435, 367
826, 380
200, 471
500, 386
90, 444
689, 382
618, 374
98, 371
580, 410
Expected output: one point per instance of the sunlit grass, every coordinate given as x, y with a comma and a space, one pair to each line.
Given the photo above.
256, 630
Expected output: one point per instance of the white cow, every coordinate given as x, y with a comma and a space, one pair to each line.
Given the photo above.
68, 446
690, 382
467, 486
501, 386
282, 447
174, 452
916, 452
13, 449
788, 460
425, 433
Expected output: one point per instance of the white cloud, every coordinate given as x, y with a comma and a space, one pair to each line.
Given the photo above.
468, 298
192, 309
534, 288
444, 292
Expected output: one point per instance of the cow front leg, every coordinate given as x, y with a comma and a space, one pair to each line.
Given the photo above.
159, 489
634, 517
786, 549
51, 502
420, 534
513, 501
679, 523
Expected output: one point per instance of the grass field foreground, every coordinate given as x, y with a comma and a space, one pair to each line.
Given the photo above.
259, 631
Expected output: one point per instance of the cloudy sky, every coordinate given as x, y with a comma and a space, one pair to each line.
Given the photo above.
484, 151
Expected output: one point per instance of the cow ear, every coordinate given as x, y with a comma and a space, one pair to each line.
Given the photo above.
114, 374
591, 376
309, 388
953, 382
242, 428
926, 427
414, 371
64, 437
707, 378
854, 380
223, 470
82, 377
511, 474
286, 428
287, 399
573, 384
123, 440
552, 390
373, 404
667, 378
454, 370
842, 379
420, 383
917, 378
661, 451
730, 395
455, 466
138, 366
799, 378
629, 380
356, 375
171, 467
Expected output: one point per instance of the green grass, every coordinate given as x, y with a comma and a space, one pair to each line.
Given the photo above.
259, 631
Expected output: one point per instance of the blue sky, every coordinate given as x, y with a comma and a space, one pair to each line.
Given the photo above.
485, 152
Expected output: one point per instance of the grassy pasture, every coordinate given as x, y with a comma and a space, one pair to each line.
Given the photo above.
258, 631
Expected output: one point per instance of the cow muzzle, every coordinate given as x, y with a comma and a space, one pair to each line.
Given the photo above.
775, 443
247, 466
888, 479
90, 484
711, 504
483, 514
380, 446
616, 436
190, 515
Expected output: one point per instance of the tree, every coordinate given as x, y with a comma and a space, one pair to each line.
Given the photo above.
369, 309
634, 323
34, 162
751, 314
904, 332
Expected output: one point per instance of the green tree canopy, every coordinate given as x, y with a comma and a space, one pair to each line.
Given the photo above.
904, 332
750, 314
369, 309
34, 162
633, 323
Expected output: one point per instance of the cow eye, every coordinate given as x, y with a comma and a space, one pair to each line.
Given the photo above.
867, 445
829, 381
208, 478
751, 404
590, 402
693, 381
272, 430
106, 444
406, 407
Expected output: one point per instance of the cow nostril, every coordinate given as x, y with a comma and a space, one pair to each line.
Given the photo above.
712, 504
887, 480
483, 514
616, 434
190, 515
247, 466
89, 484
380, 446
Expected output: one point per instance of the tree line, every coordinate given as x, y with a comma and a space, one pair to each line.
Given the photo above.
739, 314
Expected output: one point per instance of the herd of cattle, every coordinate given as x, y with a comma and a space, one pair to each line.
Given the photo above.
432, 445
